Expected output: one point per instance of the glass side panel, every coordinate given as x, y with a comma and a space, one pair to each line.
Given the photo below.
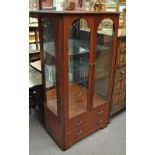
49, 63
103, 62
78, 66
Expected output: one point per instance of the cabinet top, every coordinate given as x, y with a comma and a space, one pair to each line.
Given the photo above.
71, 12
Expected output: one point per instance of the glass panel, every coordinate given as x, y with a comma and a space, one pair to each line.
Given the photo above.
78, 56
49, 63
103, 61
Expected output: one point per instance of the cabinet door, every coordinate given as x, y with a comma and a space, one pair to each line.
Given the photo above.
78, 56
49, 63
103, 62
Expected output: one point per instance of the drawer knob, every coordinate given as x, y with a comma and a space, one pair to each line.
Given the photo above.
100, 112
34, 92
122, 72
99, 121
78, 132
78, 123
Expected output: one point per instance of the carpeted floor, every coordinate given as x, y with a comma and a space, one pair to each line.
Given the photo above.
109, 141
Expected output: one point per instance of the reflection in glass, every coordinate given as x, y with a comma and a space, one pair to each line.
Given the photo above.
50, 63
78, 56
103, 61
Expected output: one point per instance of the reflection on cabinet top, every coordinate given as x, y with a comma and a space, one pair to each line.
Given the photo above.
72, 12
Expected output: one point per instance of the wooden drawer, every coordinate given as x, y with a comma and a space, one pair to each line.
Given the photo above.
99, 117
95, 120
121, 59
121, 53
77, 133
120, 80
77, 122
85, 129
120, 73
119, 84
118, 98
123, 43
100, 112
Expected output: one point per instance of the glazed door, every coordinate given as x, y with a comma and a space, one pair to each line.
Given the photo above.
102, 61
50, 63
79, 55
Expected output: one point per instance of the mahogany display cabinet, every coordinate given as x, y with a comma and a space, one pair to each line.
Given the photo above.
78, 51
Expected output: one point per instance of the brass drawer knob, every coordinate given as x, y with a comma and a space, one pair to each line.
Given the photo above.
122, 72
99, 121
78, 132
34, 92
100, 112
78, 123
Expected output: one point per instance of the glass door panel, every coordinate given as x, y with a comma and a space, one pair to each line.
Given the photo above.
103, 62
48, 34
78, 66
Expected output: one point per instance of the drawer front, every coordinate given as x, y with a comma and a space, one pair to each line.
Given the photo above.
121, 53
100, 117
77, 122
100, 113
118, 98
119, 90
96, 119
122, 43
119, 85
83, 131
120, 73
121, 59
77, 134
86, 119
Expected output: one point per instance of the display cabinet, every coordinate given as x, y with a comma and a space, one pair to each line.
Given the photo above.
78, 58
